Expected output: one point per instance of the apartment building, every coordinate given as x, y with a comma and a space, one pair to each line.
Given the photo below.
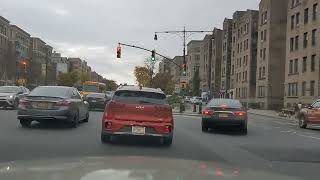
271, 53
164, 66
38, 55
216, 62
193, 59
4, 40
244, 56
61, 63
302, 68
18, 56
226, 58
75, 65
205, 61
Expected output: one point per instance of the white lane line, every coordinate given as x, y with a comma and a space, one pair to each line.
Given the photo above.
277, 127
285, 131
312, 137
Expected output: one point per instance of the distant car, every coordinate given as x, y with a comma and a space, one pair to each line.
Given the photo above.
309, 114
196, 100
97, 100
135, 111
10, 96
224, 112
53, 103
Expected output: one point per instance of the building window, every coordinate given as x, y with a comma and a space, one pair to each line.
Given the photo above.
261, 92
305, 40
292, 22
303, 88
263, 72
296, 66
297, 19
265, 35
314, 11
293, 89
314, 37
264, 53
240, 62
232, 69
291, 44
297, 43
306, 15
261, 35
304, 64
261, 53
260, 72
313, 63
312, 83
290, 67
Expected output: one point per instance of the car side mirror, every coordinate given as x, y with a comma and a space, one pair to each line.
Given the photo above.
85, 102
19, 93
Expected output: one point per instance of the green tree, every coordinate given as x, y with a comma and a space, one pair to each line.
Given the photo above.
68, 79
164, 82
111, 84
84, 78
142, 75
196, 84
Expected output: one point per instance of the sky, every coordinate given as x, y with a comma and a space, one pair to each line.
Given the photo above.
91, 29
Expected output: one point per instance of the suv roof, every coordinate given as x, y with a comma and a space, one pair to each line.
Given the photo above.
137, 88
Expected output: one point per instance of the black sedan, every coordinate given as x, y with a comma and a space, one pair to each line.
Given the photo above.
97, 100
10, 96
53, 103
224, 112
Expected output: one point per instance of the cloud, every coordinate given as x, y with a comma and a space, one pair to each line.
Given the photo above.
61, 12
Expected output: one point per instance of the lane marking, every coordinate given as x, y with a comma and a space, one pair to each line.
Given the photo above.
285, 131
312, 137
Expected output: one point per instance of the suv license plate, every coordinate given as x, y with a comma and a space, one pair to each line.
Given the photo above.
138, 130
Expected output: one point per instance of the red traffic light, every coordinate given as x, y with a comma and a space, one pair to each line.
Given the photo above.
118, 52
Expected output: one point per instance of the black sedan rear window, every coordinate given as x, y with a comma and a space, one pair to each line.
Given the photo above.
50, 92
225, 102
140, 97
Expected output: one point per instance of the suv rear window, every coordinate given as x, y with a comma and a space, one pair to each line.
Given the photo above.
229, 102
140, 97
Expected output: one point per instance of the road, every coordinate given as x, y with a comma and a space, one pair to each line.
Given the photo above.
273, 144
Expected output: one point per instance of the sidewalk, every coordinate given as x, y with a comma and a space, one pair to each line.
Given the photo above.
270, 113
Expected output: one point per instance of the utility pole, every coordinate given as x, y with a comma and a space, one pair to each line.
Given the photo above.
185, 36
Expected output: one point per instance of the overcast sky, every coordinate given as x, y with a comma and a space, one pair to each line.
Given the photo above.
91, 29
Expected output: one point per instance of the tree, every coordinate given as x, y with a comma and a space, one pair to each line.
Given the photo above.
68, 79
111, 84
164, 82
84, 78
196, 83
142, 75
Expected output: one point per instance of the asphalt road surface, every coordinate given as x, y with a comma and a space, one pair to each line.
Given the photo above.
273, 144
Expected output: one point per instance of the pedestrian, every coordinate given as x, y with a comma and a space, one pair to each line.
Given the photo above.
299, 105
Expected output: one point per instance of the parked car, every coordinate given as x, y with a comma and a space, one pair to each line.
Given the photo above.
10, 96
135, 111
224, 112
196, 100
53, 103
309, 114
97, 100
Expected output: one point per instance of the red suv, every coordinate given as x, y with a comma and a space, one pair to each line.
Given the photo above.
137, 111
310, 115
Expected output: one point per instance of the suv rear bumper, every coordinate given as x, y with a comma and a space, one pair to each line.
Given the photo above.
108, 133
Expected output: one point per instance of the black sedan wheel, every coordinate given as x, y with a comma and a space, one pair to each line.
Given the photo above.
105, 138
87, 118
25, 123
15, 104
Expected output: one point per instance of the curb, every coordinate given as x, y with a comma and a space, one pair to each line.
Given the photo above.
278, 117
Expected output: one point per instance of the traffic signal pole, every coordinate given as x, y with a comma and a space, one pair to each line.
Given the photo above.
152, 51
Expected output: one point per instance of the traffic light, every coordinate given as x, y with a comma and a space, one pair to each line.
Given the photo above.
184, 69
153, 55
118, 52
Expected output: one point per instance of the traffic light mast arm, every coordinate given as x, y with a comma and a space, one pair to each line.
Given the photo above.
137, 47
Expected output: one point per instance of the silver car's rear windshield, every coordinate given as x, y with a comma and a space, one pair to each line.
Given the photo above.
50, 92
